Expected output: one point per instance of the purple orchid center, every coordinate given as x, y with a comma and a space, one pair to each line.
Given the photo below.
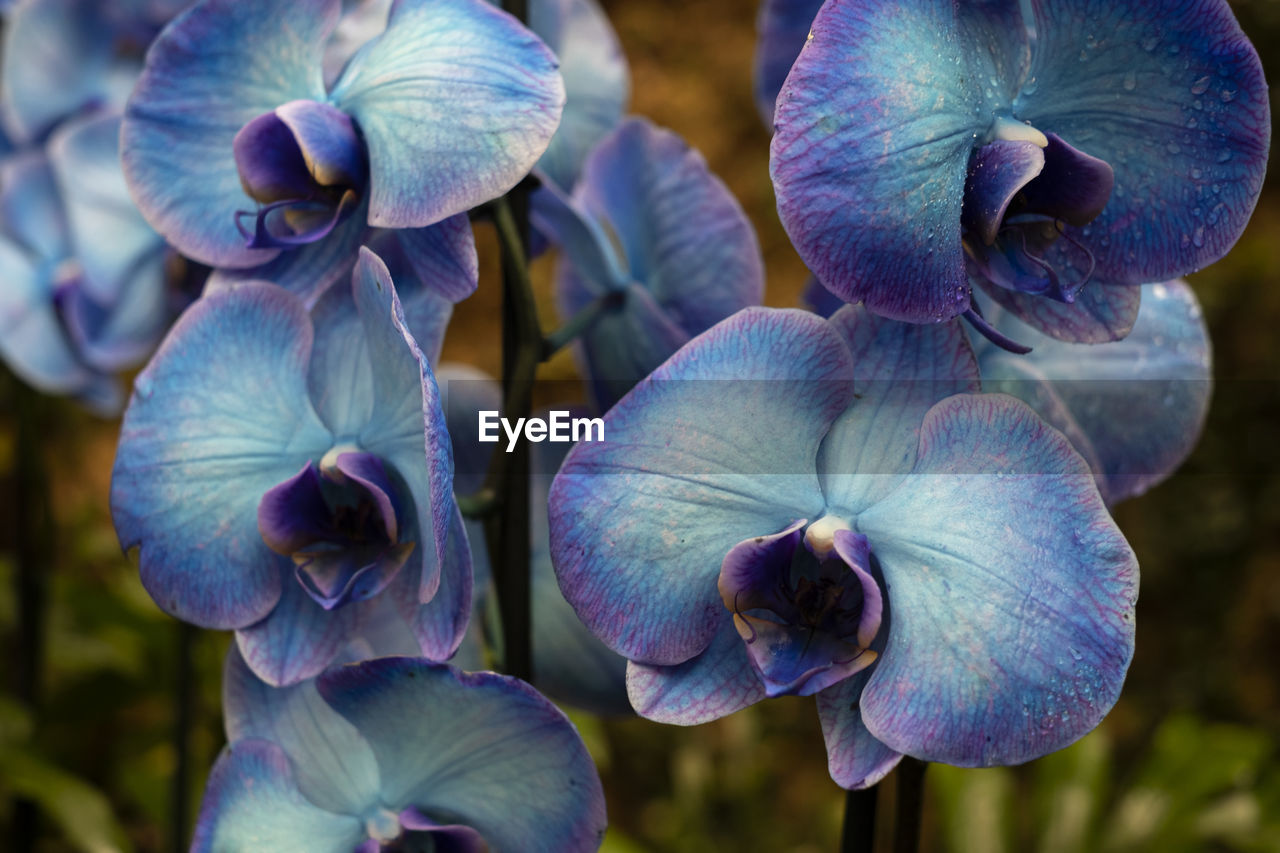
805, 603
306, 165
411, 831
340, 523
1023, 189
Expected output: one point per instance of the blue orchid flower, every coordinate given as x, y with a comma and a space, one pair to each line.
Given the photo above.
278, 469
656, 244
238, 152
920, 146
398, 754
797, 506
1134, 409
62, 57
83, 286
569, 664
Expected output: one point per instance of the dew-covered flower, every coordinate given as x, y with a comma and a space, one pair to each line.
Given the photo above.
570, 664
82, 276
279, 467
656, 243
1134, 409
921, 145
238, 152
797, 506
398, 754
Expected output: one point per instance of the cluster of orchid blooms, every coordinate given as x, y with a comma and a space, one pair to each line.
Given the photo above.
897, 505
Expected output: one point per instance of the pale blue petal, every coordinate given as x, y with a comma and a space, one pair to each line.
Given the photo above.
1172, 96
298, 638
406, 426
1135, 408
213, 69
900, 370
456, 101
31, 206
716, 446
443, 256
595, 81
875, 125
683, 235
855, 759
1100, 314
219, 416
108, 235
333, 765
711, 685
482, 749
1012, 592
252, 803
32, 340
56, 54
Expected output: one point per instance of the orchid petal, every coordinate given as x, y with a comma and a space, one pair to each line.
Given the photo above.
875, 125
219, 416
1172, 96
252, 803
333, 765
715, 683
900, 370
486, 750
456, 100
1012, 592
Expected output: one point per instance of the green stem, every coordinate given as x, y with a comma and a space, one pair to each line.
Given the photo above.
507, 526
580, 322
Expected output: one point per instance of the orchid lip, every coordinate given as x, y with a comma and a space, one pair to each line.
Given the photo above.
805, 604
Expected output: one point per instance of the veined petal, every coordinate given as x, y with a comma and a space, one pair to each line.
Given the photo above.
252, 802
438, 616
55, 60
1012, 592
682, 233
219, 416
874, 129
717, 445
1134, 408
406, 426
213, 69
485, 750
333, 765
900, 370
1101, 313
713, 684
1171, 95
586, 245
855, 758
108, 235
595, 81
443, 257
782, 28
456, 100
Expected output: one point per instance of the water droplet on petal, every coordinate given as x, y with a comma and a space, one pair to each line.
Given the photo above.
1199, 87
1130, 81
